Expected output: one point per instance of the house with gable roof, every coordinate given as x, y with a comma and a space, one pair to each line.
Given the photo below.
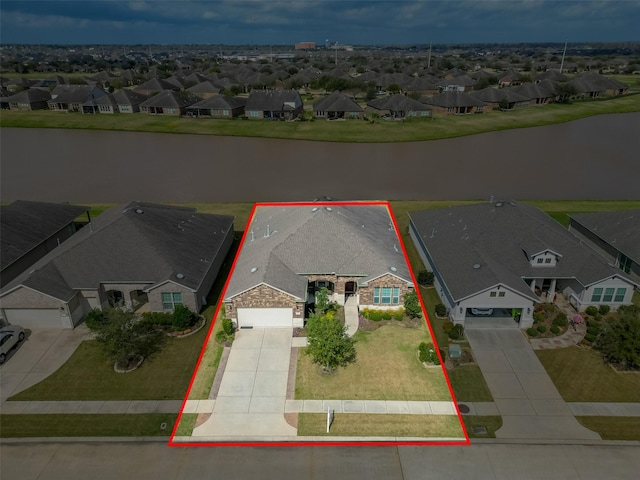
290, 252
337, 106
493, 262
137, 256
273, 105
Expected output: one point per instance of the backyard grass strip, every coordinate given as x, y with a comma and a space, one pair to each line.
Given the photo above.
80, 425
581, 375
386, 368
438, 127
613, 428
380, 425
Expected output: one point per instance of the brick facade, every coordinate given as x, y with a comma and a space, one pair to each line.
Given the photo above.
388, 280
263, 296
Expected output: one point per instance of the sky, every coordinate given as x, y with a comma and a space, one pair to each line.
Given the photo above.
348, 22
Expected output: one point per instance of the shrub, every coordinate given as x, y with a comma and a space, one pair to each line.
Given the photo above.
538, 317
593, 330
95, 318
532, 332
183, 318
399, 315
427, 353
555, 330
375, 316
604, 309
589, 338
447, 326
423, 352
453, 334
386, 315
412, 305
541, 328
591, 310
560, 320
163, 319
425, 277
593, 323
441, 310
227, 326
460, 329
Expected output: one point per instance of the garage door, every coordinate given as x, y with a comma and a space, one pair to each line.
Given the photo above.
265, 317
34, 317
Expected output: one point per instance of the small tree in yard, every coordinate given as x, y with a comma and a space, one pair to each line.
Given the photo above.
412, 305
124, 337
329, 345
619, 342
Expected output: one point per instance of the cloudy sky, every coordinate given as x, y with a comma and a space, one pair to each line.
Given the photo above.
291, 21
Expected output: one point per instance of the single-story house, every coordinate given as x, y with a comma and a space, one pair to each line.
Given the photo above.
273, 105
493, 262
137, 256
218, 106
500, 98
71, 98
30, 230
454, 103
461, 83
290, 252
168, 102
615, 235
31, 99
153, 86
398, 106
204, 89
593, 85
104, 104
128, 101
336, 106
539, 93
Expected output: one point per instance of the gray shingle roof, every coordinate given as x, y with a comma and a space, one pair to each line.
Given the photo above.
496, 95
453, 99
75, 93
620, 228
139, 242
219, 102
29, 96
170, 98
397, 103
497, 239
285, 243
336, 102
128, 97
25, 224
271, 100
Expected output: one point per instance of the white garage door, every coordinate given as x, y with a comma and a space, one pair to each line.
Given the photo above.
265, 317
34, 317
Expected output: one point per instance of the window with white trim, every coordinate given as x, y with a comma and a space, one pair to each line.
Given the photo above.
620, 293
171, 299
608, 294
492, 294
501, 294
596, 296
386, 295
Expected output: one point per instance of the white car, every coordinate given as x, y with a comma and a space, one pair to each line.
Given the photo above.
10, 337
482, 311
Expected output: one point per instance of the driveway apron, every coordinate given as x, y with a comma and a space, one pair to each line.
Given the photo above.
252, 395
529, 403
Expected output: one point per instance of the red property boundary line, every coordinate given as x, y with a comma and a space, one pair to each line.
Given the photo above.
318, 443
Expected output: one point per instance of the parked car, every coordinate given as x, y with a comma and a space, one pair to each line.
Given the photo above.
10, 337
482, 311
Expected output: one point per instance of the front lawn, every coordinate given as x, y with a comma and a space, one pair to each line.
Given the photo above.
386, 368
80, 425
613, 428
468, 384
89, 375
380, 425
581, 375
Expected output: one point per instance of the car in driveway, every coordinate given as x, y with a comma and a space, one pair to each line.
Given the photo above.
10, 337
482, 311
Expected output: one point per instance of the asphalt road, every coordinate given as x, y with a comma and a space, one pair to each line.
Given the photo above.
156, 461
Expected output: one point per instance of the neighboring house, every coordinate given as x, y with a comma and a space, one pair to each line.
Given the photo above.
273, 105
290, 252
337, 106
457, 84
30, 230
168, 102
454, 103
539, 93
32, 99
500, 98
398, 106
153, 86
134, 256
218, 106
593, 85
71, 98
104, 104
128, 101
204, 89
503, 258
509, 78
615, 235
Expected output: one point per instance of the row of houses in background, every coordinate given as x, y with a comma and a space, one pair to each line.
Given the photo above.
165, 97
493, 262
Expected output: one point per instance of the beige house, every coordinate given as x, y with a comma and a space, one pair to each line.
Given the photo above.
291, 252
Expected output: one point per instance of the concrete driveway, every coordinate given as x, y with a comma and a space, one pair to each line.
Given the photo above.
42, 353
252, 395
529, 403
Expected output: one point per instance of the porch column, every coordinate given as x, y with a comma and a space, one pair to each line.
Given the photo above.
552, 290
532, 285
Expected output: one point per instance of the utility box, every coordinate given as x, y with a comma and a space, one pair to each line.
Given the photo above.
455, 351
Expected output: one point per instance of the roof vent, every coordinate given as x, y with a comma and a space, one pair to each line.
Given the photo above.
328, 209
476, 266
180, 275
393, 269
139, 211
499, 204
254, 269
314, 209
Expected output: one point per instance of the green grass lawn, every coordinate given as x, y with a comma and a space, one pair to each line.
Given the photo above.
208, 366
441, 126
581, 375
380, 425
187, 424
79, 425
469, 385
613, 428
89, 375
386, 368
491, 423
